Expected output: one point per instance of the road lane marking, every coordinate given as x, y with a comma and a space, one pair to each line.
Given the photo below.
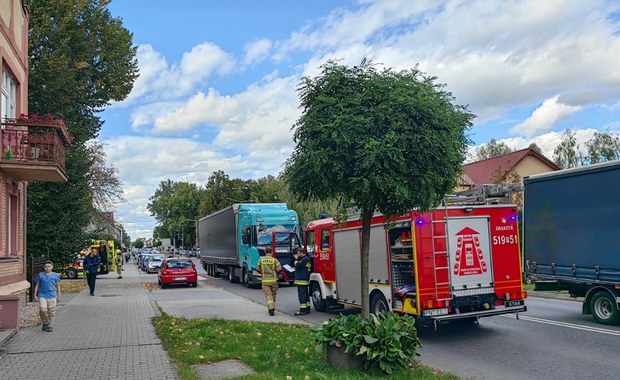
565, 324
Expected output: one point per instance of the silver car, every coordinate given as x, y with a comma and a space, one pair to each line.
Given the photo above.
154, 263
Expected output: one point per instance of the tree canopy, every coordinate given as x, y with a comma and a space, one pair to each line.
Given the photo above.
81, 59
386, 140
175, 207
567, 154
492, 149
603, 146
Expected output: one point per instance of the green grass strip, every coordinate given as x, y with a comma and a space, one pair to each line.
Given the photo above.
273, 350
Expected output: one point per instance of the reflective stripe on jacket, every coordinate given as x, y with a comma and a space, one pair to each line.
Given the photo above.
269, 267
302, 271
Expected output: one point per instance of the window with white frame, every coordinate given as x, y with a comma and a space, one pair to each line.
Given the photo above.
9, 95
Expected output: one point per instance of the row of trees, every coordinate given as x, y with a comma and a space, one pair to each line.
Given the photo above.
178, 205
602, 147
81, 59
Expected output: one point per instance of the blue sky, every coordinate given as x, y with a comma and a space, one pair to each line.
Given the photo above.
217, 78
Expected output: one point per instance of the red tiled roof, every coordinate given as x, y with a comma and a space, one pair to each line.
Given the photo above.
495, 169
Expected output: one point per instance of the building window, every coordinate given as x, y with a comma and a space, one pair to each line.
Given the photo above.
9, 95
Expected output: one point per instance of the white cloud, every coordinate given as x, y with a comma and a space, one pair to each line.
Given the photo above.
211, 108
257, 51
547, 141
544, 117
158, 80
368, 23
203, 60
151, 64
526, 51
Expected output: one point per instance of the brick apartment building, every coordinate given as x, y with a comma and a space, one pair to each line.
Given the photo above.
32, 148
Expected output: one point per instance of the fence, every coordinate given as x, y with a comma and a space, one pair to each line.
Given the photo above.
35, 267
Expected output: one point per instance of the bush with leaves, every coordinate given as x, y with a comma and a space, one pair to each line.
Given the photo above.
385, 341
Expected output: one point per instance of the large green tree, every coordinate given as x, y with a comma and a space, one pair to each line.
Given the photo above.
81, 59
386, 140
175, 207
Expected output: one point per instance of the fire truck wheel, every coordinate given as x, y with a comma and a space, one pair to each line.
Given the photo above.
317, 298
378, 303
604, 309
72, 274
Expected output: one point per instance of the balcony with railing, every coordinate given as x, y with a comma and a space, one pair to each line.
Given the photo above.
33, 148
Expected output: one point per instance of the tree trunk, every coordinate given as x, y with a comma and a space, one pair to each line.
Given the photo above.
366, 219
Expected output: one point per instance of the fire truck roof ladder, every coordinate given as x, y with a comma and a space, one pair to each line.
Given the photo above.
444, 267
495, 193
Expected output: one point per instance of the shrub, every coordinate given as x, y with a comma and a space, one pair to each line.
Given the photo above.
385, 341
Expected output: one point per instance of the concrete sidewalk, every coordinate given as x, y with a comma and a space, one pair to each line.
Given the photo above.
110, 336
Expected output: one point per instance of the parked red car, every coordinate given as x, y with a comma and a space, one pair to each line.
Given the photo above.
177, 271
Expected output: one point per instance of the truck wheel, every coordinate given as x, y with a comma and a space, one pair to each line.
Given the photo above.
246, 277
215, 274
604, 309
231, 275
317, 298
72, 274
378, 304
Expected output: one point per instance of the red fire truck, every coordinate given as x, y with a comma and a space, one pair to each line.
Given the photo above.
454, 263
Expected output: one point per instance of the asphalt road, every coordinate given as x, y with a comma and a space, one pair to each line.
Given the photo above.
552, 340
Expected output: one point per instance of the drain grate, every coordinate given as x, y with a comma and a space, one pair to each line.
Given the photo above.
110, 295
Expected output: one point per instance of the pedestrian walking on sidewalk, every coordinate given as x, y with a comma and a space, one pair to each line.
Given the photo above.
47, 293
303, 267
91, 266
119, 263
269, 267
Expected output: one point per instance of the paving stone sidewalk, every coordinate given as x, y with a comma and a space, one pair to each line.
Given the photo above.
210, 302
108, 336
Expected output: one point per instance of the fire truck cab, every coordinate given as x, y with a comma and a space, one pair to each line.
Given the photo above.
455, 262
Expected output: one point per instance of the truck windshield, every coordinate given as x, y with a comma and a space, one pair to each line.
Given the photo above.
263, 234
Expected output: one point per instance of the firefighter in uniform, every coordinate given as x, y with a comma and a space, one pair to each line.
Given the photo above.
269, 267
119, 263
303, 267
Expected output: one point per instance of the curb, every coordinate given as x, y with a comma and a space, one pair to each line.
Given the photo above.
5, 336
552, 295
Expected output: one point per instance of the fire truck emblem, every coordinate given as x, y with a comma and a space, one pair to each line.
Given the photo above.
469, 256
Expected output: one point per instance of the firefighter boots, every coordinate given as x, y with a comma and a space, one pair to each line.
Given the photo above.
272, 312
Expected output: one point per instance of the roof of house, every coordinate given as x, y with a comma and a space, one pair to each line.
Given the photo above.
496, 169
